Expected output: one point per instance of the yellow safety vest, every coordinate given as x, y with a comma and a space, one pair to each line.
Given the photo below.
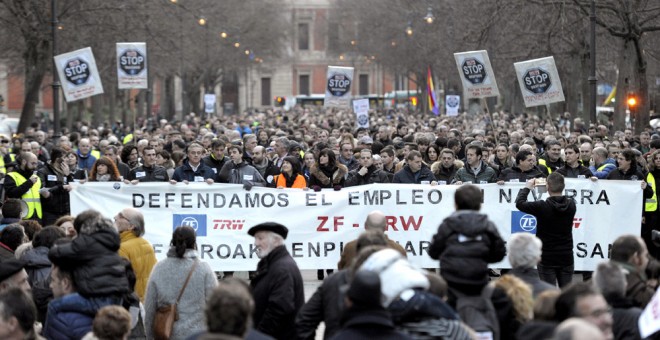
651, 204
96, 153
602, 167
542, 162
31, 197
3, 168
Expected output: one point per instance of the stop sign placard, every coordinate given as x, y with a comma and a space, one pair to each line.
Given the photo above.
76, 71
339, 84
537, 80
132, 62
473, 70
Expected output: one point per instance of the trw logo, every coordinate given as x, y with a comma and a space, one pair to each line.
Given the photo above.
577, 221
228, 224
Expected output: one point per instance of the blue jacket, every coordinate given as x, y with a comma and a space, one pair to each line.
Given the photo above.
607, 167
86, 162
186, 173
71, 316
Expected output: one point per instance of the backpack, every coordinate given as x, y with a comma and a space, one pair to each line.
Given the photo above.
478, 313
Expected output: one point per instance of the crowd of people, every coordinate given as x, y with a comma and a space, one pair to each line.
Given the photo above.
87, 276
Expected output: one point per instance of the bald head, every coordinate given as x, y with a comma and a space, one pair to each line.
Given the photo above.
375, 221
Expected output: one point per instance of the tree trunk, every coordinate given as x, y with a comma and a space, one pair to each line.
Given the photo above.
642, 90
112, 104
623, 86
169, 108
97, 110
36, 63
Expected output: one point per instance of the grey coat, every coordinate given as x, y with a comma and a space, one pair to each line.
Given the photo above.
164, 285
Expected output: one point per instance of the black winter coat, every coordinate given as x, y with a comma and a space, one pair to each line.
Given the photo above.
368, 324
515, 173
278, 294
569, 172
373, 175
58, 202
554, 226
97, 268
325, 305
406, 175
143, 173
466, 243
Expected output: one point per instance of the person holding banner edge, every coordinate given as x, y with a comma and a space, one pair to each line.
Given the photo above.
554, 227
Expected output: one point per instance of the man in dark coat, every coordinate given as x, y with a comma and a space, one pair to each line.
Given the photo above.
415, 171
554, 227
277, 286
367, 172
525, 169
149, 171
610, 279
192, 169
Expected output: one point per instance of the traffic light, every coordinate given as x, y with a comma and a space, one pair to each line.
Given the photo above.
632, 101
280, 101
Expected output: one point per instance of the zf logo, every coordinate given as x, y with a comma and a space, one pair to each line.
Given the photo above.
522, 222
197, 222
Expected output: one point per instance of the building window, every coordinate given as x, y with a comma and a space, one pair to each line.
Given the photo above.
265, 92
364, 84
303, 85
303, 37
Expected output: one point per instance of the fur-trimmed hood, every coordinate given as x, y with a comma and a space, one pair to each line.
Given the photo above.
337, 175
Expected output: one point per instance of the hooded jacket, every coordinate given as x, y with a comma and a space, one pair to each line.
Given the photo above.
70, 317
466, 242
554, 226
97, 268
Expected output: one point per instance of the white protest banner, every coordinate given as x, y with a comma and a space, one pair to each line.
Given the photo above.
209, 103
539, 81
338, 87
78, 74
452, 104
476, 74
132, 65
361, 108
649, 320
320, 223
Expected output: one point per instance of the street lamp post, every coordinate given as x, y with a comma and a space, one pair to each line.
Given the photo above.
56, 85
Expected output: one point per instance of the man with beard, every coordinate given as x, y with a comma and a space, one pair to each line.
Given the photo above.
368, 173
277, 286
446, 168
23, 183
265, 166
551, 159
